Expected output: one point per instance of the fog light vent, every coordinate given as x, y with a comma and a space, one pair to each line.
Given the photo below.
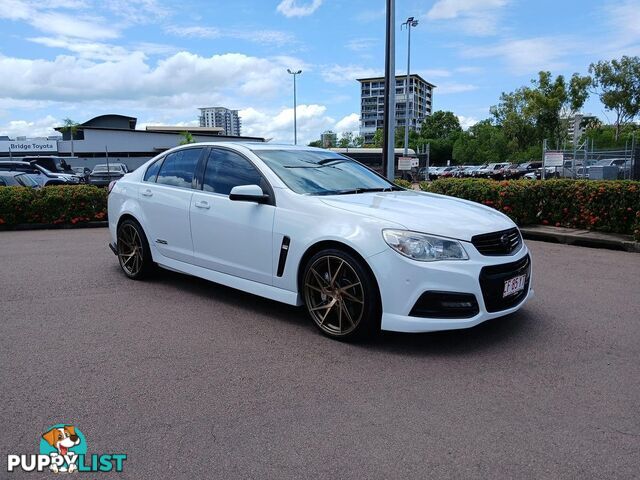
445, 305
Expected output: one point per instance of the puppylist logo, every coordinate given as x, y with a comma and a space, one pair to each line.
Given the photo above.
63, 449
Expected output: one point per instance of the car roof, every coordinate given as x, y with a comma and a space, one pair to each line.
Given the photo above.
254, 146
14, 162
11, 174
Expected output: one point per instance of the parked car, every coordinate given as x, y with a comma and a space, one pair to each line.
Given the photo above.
476, 171
445, 172
40, 174
519, 170
57, 166
104, 174
82, 173
492, 170
307, 226
17, 179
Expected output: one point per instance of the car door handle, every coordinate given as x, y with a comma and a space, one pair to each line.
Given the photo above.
147, 192
202, 204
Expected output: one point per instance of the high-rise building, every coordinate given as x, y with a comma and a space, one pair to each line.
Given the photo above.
420, 100
329, 139
576, 126
221, 117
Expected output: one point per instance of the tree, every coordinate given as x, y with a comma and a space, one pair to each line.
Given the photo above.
516, 119
72, 128
617, 83
482, 143
316, 143
532, 113
440, 125
187, 138
378, 138
346, 140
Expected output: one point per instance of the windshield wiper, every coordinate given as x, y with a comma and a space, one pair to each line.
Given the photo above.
363, 190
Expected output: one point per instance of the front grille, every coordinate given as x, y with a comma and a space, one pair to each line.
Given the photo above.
445, 305
492, 284
495, 244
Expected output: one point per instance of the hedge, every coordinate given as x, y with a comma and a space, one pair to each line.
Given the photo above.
52, 205
604, 206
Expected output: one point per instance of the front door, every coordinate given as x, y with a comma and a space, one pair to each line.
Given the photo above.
232, 237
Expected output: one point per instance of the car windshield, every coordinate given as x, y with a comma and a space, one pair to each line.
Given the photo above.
318, 172
26, 180
112, 168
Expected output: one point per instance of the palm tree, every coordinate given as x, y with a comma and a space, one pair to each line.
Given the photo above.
187, 138
71, 127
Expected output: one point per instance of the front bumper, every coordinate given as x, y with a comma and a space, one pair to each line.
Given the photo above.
402, 281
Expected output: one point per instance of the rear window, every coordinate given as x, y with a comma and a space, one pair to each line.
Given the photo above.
179, 167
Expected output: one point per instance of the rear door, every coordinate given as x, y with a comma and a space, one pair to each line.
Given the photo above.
165, 196
232, 237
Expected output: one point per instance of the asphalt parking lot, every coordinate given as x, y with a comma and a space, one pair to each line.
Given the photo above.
194, 380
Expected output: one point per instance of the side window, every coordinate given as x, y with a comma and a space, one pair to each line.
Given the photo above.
178, 168
226, 169
152, 172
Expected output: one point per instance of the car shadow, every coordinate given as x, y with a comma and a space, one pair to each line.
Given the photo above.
487, 335
484, 336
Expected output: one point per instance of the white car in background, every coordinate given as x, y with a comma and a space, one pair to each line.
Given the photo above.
307, 226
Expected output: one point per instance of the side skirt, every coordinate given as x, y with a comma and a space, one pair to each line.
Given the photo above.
260, 289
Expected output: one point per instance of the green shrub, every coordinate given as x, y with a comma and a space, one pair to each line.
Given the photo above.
403, 183
52, 205
605, 206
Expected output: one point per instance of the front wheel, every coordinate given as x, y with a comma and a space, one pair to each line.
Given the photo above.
133, 250
341, 295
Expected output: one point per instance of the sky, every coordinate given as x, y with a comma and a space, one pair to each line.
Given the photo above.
159, 60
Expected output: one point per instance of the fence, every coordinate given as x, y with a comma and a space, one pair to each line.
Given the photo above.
585, 161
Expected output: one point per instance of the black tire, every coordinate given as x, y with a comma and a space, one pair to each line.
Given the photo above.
339, 286
134, 254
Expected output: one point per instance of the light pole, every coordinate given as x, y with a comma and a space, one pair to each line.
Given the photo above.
388, 151
295, 116
408, 117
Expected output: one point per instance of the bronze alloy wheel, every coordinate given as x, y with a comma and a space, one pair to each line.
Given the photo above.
334, 295
130, 249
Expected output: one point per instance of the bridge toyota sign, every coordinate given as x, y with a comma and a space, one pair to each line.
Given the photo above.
29, 146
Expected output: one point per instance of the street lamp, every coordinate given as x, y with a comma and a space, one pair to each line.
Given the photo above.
411, 22
295, 116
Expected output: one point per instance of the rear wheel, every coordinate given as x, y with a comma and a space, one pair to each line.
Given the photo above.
133, 250
341, 295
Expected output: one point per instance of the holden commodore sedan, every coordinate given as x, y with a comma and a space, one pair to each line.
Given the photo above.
307, 226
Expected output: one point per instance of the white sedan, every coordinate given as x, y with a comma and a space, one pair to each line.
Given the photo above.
307, 226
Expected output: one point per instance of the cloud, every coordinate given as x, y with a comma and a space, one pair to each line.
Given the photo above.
528, 55
271, 37
42, 127
290, 8
449, 88
132, 77
466, 122
344, 74
360, 45
624, 16
311, 120
473, 17
43, 17
350, 123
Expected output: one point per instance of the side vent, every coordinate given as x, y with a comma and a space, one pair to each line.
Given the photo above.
284, 250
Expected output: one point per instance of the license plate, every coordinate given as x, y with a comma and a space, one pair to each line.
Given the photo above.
514, 285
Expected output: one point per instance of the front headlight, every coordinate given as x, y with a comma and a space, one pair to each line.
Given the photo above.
424, 248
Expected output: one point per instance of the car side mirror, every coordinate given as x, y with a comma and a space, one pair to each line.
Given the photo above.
248, 193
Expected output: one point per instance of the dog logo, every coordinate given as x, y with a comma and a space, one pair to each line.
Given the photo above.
63, 439
63, 449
